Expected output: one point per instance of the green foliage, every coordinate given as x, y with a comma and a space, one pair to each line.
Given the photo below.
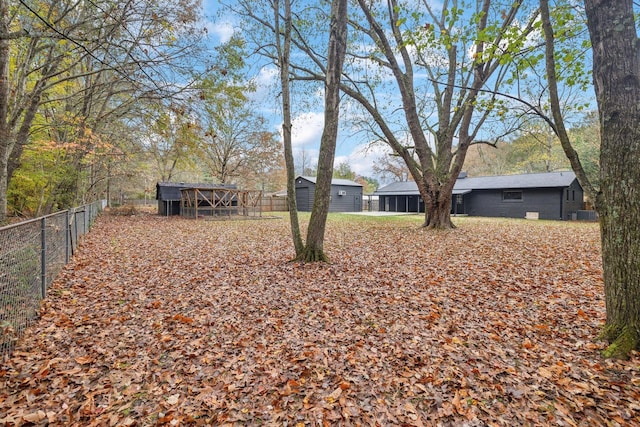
171, 140
343, 171
77, 75
586, 141
536, 149
45, 182
572, 47
369, 185
229, 68
234, 143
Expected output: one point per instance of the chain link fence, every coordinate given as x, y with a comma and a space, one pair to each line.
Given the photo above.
32, 253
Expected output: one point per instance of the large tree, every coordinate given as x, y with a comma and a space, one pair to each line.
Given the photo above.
464, 49
616, 77
392, 167
238, 148
422, 70
287, 29
536, 149
283, 57
171, 139
314, 245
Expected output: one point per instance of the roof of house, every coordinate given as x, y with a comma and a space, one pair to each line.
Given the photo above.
171, 190
404, 187
334, 181
466, 185
281, 193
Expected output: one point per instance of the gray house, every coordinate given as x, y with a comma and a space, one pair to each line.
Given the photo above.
552, 195
346, 195
168, 195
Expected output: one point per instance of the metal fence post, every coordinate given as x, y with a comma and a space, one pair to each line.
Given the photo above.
20, 260
43, 257
75, 226
67, 237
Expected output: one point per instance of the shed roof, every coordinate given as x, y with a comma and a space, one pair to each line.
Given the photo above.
171, 190
334, 181
465, 185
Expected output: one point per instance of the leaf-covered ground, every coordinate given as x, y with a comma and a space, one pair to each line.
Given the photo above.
183, 322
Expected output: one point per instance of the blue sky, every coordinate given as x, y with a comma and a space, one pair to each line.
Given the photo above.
307, 123
307, 129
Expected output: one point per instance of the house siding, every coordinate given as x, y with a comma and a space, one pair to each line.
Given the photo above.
572, 201
553, 196
349, 202
490, 203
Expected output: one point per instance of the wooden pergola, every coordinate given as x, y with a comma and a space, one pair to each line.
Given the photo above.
220, 202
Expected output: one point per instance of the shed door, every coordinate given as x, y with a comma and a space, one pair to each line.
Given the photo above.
303, 199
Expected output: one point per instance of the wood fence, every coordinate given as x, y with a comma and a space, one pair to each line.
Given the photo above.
268, 203
274, 204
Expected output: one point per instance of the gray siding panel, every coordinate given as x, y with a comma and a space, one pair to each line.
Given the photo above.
572, 201
547, 202
550, 202
351, 201
304, 197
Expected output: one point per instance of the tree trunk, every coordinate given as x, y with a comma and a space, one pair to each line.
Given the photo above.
314, 250
5, 136
437, 161
616, 71
284, 50
14, 132
4, 184
556, 109
437, 212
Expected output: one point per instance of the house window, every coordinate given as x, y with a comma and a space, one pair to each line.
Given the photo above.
511, 195
459, 199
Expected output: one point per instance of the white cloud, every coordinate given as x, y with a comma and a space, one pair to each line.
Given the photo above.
307, 130
222, 30
362, 158
264, 96
267, 76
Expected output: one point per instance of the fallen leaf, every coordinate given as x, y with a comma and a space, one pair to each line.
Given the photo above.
34, 417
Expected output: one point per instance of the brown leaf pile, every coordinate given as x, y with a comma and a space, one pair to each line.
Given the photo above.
179, 322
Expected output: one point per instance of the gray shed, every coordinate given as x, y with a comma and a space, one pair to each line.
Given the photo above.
346, 195
552, 195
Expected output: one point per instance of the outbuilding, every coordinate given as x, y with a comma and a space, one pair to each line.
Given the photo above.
346, 195
551, 195
168, 195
